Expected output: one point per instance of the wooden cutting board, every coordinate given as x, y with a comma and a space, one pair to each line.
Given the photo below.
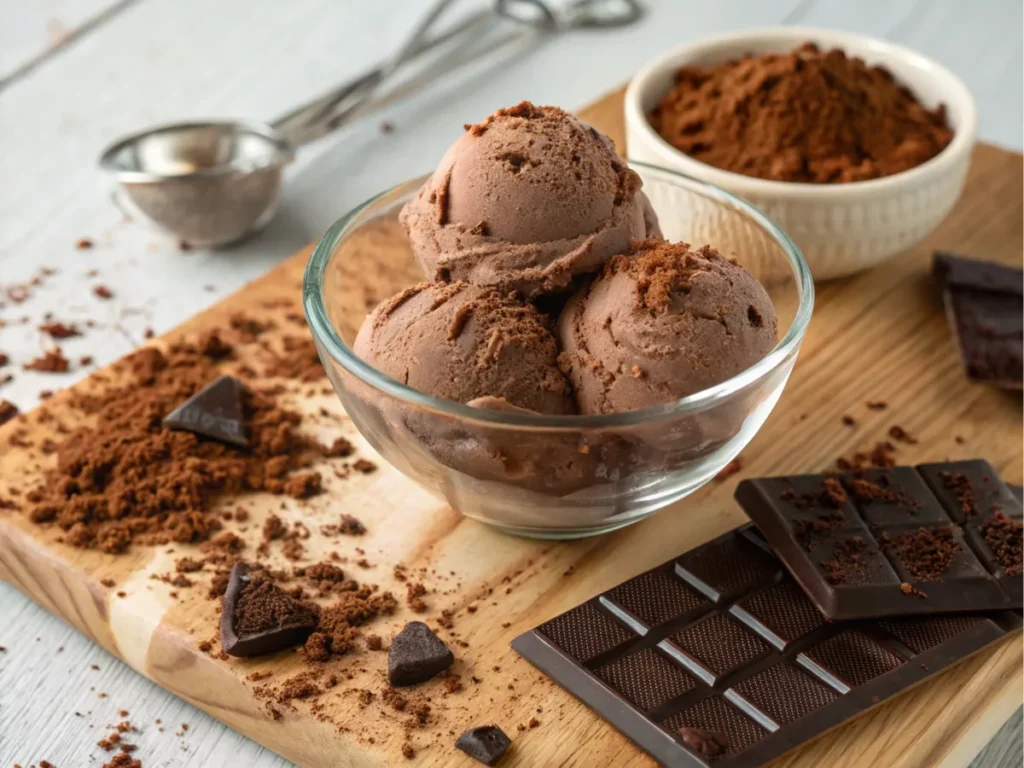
879, 336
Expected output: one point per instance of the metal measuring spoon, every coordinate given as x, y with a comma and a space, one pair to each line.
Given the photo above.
212, 183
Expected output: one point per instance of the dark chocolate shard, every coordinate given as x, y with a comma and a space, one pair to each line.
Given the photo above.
488, 744
416, 655
985, 305
950, 269
705, 743
215, 411
259, 617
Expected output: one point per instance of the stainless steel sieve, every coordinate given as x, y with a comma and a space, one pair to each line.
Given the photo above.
212, 183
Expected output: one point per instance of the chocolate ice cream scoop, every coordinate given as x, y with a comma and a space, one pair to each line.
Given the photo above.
525, 201
463, 342
661, 323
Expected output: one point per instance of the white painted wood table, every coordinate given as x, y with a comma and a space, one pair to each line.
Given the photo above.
75, 73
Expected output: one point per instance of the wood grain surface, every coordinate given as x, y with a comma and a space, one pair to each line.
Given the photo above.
879, 336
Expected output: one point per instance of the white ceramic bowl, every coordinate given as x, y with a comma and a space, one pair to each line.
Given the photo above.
841, 228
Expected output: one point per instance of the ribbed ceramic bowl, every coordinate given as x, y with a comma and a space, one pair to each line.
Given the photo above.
840, 228
554, 476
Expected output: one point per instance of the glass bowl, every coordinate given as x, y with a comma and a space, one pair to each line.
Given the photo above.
554, 476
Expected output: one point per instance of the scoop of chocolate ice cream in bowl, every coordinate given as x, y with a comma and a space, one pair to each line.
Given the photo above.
514, 333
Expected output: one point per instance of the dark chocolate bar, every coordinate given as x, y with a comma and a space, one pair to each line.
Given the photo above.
719, 658
939, 538
985, 305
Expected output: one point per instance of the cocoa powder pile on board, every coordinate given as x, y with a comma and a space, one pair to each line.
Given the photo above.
810, 116
128, 479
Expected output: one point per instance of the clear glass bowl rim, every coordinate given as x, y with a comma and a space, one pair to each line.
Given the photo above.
324, 333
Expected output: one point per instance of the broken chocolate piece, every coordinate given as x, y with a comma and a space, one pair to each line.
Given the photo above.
904, 539
416, 655
985, 304
488, 744
259, 617
215, 411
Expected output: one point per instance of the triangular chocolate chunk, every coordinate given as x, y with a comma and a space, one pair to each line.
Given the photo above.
259, 617
215, 411
416, 655
488, 744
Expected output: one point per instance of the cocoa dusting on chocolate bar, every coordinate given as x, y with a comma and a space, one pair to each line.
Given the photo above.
129, 479
926, 553
1005, 537
867, 492
847, 563
962, 489
831, 495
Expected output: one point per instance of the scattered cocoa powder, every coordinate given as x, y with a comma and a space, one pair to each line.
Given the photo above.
414, 597
808, 116
52, 361
351, 526
123, 760
102, 292
128, 479
339, 449
59, 330
274, 528
364, 465
881, 455
84, 244
187, 565
394, 699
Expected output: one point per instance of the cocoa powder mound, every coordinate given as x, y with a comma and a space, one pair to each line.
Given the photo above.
808, 116
128, 479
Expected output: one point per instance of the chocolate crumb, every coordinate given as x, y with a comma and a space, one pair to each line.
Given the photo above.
911, 590
732, 468
52, 361
103, 292
897, 432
